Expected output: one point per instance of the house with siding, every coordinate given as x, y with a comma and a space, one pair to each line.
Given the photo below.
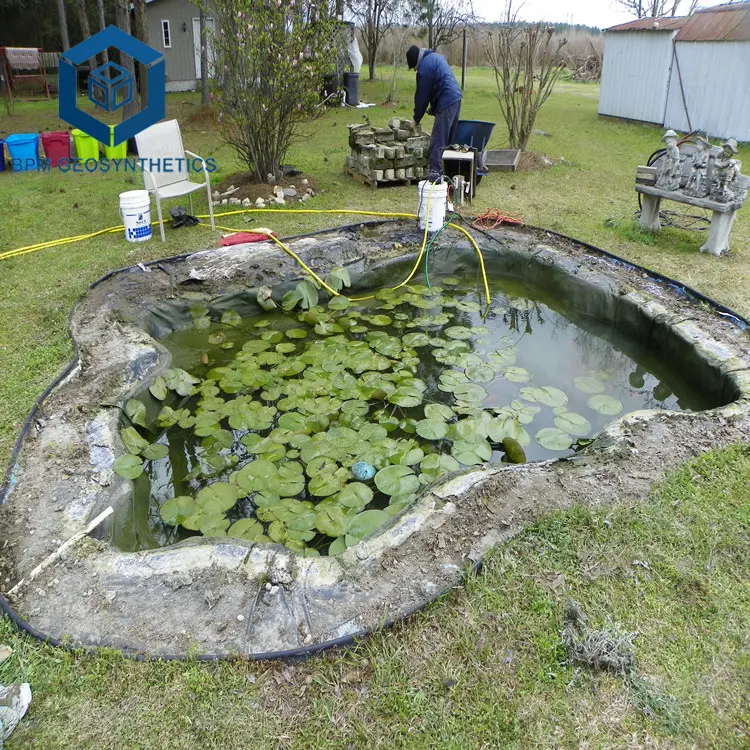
683, 73
174, 30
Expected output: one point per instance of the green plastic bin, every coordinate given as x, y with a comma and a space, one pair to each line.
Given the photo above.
115, 152
86, 146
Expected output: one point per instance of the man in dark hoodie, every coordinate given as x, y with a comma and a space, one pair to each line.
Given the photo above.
437, 88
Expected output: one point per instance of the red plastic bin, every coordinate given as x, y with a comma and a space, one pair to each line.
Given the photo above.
56, 146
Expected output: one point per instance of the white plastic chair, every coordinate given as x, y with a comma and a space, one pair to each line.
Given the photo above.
164, 141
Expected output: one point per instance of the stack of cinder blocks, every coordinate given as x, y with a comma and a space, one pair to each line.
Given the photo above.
391, 154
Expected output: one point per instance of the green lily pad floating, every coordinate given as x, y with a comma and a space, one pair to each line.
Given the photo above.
458, 332
355, 495
480, 373
248, 529
606, 405
136, 412
337, 546
507, 427
589, 385
158, 388
438, 411
517, 374
397, 480
213, 524
296, 333
175, 511
573, 424
128, 466
133, 441
431, 429
366, 523
554, 439
155, 451
231, 318
472, 453
545, 395
217, 498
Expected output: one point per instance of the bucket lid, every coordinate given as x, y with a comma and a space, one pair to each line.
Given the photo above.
135, 195
21, 137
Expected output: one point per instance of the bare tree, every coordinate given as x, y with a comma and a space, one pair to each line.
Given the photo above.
122, 8
102, 25
83, 19
141, 33
204, 57
63, 25
443, 20
657, 8
526, 60
399, 49
375, 18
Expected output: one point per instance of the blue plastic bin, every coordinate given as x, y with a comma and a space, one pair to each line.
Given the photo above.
2, 155
24, 151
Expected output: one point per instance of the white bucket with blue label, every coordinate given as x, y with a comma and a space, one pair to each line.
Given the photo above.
135, 210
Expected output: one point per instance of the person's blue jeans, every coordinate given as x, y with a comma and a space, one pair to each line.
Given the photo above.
443, 135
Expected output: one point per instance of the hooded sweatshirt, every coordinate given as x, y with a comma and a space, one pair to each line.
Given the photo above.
436, 85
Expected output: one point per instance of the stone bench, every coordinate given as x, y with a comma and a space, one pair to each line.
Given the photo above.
722, 218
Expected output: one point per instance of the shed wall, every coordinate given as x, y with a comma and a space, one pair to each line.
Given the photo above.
716, 81
635, 74
180, 58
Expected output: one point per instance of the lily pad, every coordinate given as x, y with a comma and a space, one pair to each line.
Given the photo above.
554, 439
155, 451
432, 429
517, 374
366, 523
248, 529
545, 395
589, 385
573, 424
438, 411
605, 405
128, 466
396, 480
217, 498
469, 454
174, 511
480, 373
158, 388
133, 441
355, 495
136, 412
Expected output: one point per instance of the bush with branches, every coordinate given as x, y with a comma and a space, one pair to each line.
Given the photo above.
272, 57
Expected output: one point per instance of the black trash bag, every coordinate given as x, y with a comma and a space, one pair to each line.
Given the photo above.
181, 218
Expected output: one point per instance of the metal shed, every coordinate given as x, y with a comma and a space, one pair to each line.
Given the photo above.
710, 80
637, 67
684, 73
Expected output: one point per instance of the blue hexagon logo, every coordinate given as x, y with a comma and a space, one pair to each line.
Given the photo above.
111, 87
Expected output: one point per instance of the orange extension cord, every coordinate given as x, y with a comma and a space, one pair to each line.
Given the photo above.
494, 218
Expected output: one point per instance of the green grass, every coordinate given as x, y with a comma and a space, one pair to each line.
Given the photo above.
485, 666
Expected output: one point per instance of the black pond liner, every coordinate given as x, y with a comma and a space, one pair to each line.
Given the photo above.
680, 289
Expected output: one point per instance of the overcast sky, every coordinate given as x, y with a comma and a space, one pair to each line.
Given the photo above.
601, 13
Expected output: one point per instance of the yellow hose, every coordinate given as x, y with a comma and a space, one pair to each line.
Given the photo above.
388, 215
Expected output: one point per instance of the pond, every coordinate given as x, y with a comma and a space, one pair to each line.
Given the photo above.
313, 426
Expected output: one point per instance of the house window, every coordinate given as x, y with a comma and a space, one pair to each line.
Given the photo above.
166, 34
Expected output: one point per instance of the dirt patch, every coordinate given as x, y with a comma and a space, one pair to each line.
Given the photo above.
535, 160
246, 187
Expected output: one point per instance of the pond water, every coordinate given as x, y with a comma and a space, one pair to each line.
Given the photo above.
266, 427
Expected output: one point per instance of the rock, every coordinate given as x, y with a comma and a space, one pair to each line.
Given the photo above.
290, 192
279, 199
235, 202
247, 202
260, 203
270, 178
217, 195
5, 652
305, 198
14, 701
305, 181
277, 190
224, 202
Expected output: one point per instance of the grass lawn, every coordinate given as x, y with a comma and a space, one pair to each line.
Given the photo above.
485, 667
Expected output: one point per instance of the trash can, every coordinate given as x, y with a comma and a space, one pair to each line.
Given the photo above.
2, 155
23, 149
115, 152
351, 85
86, 146
56, 146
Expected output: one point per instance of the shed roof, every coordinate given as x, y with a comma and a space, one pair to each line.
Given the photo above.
652, 24
722, 23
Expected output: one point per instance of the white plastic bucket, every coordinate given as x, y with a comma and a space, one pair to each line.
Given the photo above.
437, 196
135, 210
